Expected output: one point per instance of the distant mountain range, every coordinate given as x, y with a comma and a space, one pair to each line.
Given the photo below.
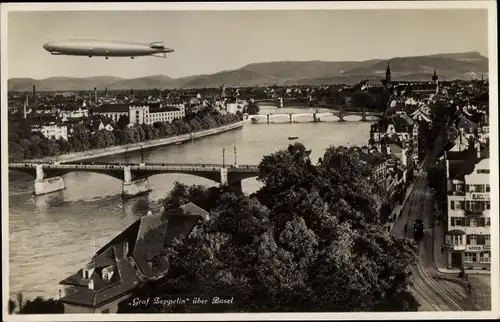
448, 66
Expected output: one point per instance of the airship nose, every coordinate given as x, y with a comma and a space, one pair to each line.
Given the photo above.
48, 46
169, 50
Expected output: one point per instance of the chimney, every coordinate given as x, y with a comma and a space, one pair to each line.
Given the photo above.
25, 105
34, 91
478, 147
90, 96
106, 92
364, 149
95, 94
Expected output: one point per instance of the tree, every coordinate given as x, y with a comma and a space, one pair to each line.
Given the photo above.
293, 246
42, 306
253, 109
123, 121
23, 144
180, 194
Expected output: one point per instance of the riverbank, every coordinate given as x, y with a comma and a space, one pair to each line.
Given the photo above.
97, 153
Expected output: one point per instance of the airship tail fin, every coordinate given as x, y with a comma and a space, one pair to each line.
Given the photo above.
161, 55
157, 45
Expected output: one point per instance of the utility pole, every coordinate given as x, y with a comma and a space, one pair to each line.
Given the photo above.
126, 155
223, 157
235, 163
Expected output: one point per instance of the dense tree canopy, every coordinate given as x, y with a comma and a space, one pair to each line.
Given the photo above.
42, 306
308, 240
24, 144
252, 109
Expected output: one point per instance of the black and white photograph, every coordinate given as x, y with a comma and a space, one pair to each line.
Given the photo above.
289, 158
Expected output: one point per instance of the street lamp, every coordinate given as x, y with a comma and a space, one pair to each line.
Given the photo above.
223, 157
235, 163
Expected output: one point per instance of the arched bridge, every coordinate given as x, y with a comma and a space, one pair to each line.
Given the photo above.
134, 175
316, 117
280, 101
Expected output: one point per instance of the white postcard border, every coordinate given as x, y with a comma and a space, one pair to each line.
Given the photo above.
493, 80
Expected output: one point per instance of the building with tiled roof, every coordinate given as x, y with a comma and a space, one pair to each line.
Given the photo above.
468, 224
394, 125
134, 256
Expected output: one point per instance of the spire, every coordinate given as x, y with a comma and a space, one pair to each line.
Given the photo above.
435, 76
388, 76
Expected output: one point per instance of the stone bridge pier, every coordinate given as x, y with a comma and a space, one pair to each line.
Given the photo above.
231, 181
131, 186
46, 185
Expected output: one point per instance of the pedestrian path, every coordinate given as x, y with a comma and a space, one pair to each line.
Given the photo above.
399, 221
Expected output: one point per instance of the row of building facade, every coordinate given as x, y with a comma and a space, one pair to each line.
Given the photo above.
467, 163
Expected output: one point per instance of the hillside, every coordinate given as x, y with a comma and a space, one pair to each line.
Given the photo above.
156, 81
448, 66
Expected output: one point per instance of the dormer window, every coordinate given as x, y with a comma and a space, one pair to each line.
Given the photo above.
107, 273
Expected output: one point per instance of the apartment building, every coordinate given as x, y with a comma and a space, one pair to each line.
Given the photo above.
147, 113
51, 131
468, 236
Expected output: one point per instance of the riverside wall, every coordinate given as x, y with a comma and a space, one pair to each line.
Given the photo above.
97, 153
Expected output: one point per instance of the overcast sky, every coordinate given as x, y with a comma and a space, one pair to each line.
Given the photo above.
211, 41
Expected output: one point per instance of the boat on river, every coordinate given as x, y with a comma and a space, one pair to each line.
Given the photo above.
293, 137
255, 119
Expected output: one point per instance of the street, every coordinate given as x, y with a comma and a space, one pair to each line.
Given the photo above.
435, 291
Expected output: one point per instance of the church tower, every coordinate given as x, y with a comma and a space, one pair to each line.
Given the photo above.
435, 77
222, 91
388, 76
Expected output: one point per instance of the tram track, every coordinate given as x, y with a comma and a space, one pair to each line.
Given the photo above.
424, 286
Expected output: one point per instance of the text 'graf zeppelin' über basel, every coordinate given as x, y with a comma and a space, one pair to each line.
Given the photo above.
105, 48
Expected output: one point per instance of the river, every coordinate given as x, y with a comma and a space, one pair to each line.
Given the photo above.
52, 236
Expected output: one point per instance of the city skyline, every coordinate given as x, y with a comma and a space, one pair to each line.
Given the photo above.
418, 32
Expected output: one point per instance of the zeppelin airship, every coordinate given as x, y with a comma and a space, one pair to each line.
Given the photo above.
106, 49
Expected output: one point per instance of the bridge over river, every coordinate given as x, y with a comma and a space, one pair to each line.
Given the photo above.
134, 175
316, 117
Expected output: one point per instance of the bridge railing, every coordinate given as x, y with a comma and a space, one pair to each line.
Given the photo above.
146, 166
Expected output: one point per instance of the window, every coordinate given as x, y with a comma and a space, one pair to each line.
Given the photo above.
481, 222
487, 188
481, 239
488, 222
470, 257
471, 239
457, 221
456, 240
484, 257
471, 222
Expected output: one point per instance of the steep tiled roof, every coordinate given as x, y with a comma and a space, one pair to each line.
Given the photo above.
123, 281
111, 108
146, 240
466, 124
370, 157
401, 124
463, 163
